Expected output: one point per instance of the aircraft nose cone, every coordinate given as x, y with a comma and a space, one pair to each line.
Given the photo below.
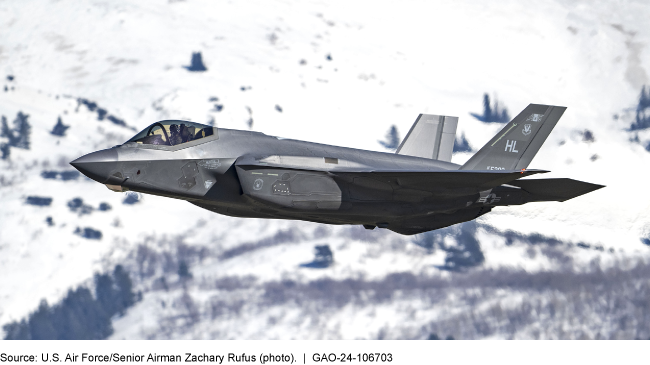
97, 165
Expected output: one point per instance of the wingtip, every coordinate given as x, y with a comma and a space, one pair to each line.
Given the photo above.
598, 186
527, 172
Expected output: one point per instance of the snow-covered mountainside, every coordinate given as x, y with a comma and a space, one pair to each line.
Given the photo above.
338, 73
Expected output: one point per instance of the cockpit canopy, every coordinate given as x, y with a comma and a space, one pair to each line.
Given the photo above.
172, 133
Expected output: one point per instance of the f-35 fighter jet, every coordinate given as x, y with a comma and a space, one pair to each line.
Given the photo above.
417, 189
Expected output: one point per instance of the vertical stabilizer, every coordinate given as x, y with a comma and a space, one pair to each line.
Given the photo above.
514, 147
431, 136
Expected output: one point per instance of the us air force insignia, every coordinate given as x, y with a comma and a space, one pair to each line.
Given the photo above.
526, 131
535, 118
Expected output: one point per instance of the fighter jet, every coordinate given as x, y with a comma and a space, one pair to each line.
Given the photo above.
416, 189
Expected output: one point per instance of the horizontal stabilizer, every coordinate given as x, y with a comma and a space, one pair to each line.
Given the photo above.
431, 136
555, 189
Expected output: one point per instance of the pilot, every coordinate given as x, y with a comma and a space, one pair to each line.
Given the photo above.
185, 134
175, 137
190, 133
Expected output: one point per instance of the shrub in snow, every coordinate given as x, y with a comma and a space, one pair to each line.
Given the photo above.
323, 258
64, 175
77, 205
49, 174
88, 233
38, 201
115, 120
101, 112
69, 175
131, 198
91, 105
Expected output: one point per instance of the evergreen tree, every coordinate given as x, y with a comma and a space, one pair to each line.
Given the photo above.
60, 128
79, 316
4, 149
461, 145
97, 324
642, 120
40, 323
5, 132
4, 129
124, 294
324, 256
468, 253
427, 240
196, 64
18, 136
184, 270
644, 99
499, 116
23, 130
67, 324
392, 139
492, 113
105, 294
17, 330
487, 110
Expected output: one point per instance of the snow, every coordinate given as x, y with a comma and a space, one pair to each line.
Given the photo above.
389, 62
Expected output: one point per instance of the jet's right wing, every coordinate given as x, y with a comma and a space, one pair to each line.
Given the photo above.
431, 136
